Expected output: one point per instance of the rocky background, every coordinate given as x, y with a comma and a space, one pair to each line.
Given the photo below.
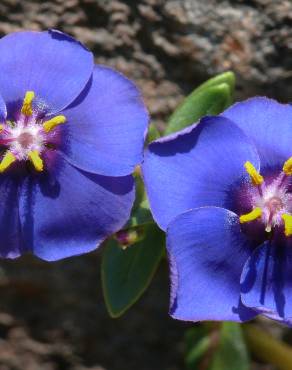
52, 316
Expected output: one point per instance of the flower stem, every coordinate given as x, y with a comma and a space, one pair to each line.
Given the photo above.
267, 348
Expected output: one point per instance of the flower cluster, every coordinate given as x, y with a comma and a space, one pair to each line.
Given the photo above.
65, 160
71, 134
222, 189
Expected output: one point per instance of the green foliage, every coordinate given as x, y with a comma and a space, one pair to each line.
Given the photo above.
153, 133
132, 256
141, 216
141, 213
231, 353
222, 349
267, 348
126, 273
210, 98
197, 343
226, 77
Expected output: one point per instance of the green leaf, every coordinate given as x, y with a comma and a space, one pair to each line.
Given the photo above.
214, 347
153, 133
208, 101
140, 215
140, 195
194, 357
231, 353
197, 343
127, 273
226, 77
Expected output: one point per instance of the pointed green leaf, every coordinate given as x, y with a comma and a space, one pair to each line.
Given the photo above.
127, 273
231, 353
140, 195
141, 213
194, 357
208, 101
225, 77
197, 345
153, 133
214, 347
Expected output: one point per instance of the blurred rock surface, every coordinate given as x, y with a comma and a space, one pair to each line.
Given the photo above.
170, 46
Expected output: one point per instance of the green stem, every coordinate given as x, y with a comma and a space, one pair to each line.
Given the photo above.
267, 348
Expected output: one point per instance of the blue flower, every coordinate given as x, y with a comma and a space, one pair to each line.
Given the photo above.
71, 134
222, 189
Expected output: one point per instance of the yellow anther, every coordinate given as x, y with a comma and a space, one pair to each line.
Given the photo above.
251, 216
27, 103
52, 123
288, 224
256, 178
287, 168
1, 128
36, 160
7, 161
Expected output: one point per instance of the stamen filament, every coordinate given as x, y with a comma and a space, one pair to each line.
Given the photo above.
256, 178
288, 224
251, 216
52, 123
268, 228
287, 168
36, 160
7, 161
27, 103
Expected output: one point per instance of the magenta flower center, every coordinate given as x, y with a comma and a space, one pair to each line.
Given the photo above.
270, 201
27, 137
21, 138
274, 200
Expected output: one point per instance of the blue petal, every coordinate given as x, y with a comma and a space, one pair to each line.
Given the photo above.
52, 64
3, 110
195, 168
207, 253
268, 124
106, 126
266, 281
69, 212
11, 245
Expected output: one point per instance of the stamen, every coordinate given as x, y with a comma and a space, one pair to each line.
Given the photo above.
287, 168
288, 224
251, 216
36, 160
52, 123
7, 161
27, 103
256, 178
1, 128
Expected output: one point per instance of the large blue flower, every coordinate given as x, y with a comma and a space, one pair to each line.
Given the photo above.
222, 189
71, 134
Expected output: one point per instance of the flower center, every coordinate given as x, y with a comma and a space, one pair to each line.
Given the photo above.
28, 137
274, 205
25, 139
271, 203
273, 208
